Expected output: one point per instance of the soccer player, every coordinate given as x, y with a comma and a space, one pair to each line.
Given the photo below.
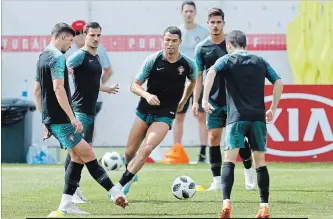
85, 67
52, 97
167, 93
245, 75
79, 41
192, 34
207, 52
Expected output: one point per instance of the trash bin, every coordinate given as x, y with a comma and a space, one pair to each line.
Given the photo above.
16, 129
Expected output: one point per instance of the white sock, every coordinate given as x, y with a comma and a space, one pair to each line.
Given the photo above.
226, 200
78, 190
116, 187
264, 205
65, 199
217, 179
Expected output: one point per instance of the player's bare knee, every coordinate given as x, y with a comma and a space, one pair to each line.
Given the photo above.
259, 159
85, 152
214, 138
146, 150
75, 157
202, 118
179, 119
231, 155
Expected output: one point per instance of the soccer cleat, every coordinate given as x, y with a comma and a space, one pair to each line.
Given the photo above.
226, 209
70, 208
127, 187
202, 158
118, 197
263, 212
79, 194
77, 200
215, 186
250, 182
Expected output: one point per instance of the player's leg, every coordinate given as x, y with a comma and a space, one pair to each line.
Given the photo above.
70, 140
202, 130
85, 151
258, 141
98, 109
64, 133
179, 124
87, 134
72, 179
249, 175
234, 140
135, 138
215, 124
155, 134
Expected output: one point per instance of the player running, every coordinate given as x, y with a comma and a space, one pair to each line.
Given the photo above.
86, 70
52, 97
245, 75
207, 52
166, 72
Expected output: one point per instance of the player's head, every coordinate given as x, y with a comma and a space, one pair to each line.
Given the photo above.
63, 34
172, 38
215, 21
236, 39
188, 11
78, 27
92, 34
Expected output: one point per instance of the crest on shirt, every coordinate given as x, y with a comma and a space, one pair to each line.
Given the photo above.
71, 137
181, 70
197, 39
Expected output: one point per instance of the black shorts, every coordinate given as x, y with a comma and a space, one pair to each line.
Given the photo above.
201, 110
98, 107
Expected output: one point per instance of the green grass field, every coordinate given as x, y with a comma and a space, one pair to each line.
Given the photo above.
297, 190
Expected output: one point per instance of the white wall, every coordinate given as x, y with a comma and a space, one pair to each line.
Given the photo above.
129, 18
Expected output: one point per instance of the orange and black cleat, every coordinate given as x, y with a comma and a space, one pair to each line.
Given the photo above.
121, 201
263, 212
226, 210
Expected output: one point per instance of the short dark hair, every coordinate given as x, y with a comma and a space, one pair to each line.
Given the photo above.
236, 38
173, 30
215, 12
92, 25
188, 3
60, 28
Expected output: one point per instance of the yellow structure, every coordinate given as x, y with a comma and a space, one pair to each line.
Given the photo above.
309, 43
324, 59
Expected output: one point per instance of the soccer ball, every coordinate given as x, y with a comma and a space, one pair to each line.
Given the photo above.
112, 160
183, 187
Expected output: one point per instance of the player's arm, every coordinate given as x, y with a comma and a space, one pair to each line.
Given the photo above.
58, 74
189, 87
219, 66
140, 78
198, 84
107, 74
105, 62
74, 61
111, 90
38, 93
275, 79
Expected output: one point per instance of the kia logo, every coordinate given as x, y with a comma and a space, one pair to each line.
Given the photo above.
318, 118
